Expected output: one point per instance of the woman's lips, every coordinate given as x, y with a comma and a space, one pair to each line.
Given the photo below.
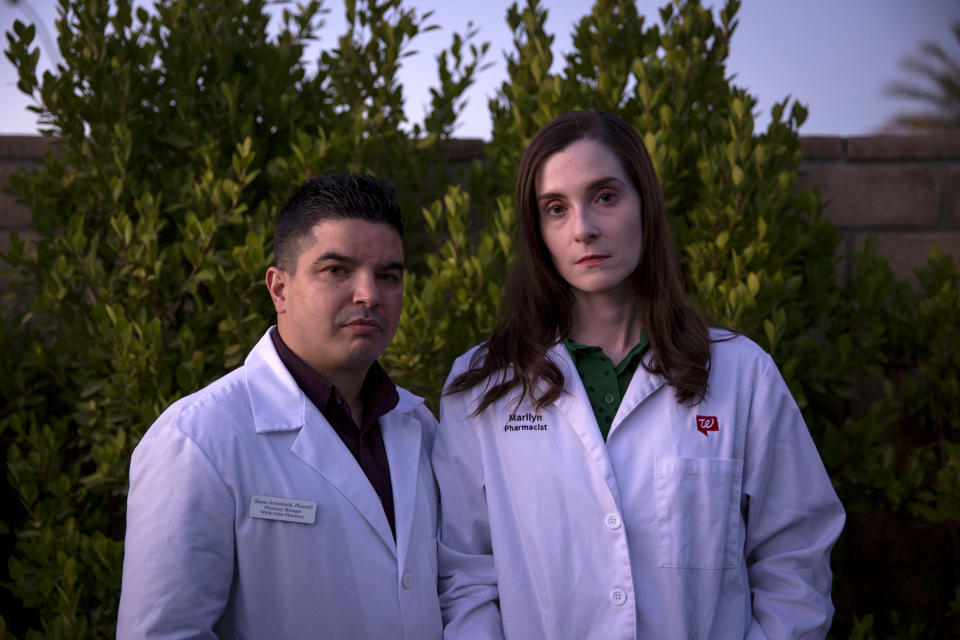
590, 260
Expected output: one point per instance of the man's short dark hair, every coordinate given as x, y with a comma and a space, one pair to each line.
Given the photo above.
331, 197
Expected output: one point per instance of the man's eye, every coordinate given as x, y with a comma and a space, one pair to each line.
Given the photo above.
335, 269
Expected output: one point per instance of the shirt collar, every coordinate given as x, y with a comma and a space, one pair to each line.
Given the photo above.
577, 350
378, 393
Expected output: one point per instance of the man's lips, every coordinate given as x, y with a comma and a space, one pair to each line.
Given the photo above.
363, 325
593, 258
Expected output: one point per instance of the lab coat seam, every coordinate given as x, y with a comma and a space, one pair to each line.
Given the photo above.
453, 409
501, 407
213, 466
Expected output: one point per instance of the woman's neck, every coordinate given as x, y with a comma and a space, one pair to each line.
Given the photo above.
609, 322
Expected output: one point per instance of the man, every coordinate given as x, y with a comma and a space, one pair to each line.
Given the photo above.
293, 498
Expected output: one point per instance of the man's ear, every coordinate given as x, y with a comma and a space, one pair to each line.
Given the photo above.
277, 286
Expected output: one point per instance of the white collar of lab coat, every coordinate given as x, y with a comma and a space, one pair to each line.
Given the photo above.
641, 385
278, 402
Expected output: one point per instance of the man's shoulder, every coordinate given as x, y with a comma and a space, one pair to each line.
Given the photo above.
412, 405
220, 407
223, 393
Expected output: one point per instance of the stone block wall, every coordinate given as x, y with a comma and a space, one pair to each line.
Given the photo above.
17, 152
902, 190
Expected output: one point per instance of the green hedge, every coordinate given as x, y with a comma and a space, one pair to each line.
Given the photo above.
151, 232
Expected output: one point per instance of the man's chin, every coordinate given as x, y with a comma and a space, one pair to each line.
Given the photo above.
363, 351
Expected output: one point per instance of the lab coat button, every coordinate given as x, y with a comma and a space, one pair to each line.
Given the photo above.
609, 398
407, 581
618, 597
613, 521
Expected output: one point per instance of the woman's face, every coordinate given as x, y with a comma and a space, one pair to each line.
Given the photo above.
589, 213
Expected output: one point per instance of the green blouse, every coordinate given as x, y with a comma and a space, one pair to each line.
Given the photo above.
604, 382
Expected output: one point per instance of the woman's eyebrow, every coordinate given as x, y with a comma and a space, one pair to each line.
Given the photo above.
599, 182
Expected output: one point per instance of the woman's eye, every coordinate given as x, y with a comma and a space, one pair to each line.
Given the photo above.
607, 196
555, 209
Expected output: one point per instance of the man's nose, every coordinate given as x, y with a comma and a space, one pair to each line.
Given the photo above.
366, 291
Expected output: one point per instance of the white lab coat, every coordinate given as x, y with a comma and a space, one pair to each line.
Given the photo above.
665, 531
197, 565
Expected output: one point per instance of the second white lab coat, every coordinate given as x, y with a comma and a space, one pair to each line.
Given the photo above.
712, 521
198, 564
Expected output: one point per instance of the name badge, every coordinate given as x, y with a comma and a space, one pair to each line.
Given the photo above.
285, 509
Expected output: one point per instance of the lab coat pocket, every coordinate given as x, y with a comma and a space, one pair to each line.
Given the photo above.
698, 512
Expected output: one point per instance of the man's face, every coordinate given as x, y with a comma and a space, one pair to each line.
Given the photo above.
339, 310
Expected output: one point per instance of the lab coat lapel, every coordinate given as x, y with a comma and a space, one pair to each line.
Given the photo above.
277, 402
573, 407
319, 446
280, 405
401, 438
641, 386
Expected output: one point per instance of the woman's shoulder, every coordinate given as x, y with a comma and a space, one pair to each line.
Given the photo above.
469, 359
479, 380
729, 347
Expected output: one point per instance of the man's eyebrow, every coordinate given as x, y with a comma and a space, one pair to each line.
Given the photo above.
599, 182
333, 256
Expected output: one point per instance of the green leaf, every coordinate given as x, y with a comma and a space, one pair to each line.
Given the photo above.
736, 174
753, 284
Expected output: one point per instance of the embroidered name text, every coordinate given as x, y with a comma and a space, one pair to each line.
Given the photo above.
525, 422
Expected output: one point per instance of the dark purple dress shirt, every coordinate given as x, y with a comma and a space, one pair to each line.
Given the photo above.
379, 396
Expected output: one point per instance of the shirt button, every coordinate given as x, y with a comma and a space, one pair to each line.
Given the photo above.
407, 581
613, 521
609, 398
618, 597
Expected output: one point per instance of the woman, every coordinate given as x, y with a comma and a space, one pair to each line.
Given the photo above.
608, 466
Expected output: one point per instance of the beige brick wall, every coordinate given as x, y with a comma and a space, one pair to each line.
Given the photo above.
16, 152
903, 190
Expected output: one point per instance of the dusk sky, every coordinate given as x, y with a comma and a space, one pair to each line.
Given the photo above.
835, 56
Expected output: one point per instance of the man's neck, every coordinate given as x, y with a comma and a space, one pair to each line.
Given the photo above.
349, 384
348, 381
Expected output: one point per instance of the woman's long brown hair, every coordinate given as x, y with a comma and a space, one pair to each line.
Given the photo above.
537, 307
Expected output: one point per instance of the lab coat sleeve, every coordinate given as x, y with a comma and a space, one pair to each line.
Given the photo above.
178, 553
467, 576
793, 518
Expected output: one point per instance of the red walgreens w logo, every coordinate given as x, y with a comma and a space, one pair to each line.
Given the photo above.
707, 423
